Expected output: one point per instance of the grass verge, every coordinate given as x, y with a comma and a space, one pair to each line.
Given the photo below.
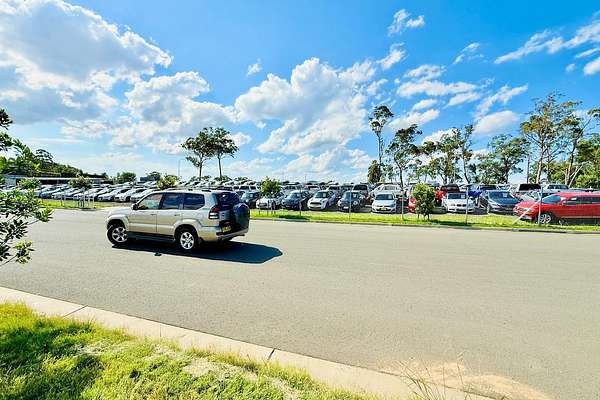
56, 358
477, 221
73, 204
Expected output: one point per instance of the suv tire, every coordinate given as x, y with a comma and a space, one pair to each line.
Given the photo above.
187, 240
117, 234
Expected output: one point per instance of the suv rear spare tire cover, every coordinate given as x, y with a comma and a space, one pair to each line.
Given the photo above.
241, 215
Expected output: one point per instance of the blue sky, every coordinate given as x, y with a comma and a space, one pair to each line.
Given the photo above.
116, 85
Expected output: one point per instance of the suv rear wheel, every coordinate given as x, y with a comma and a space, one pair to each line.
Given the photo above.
187, 240
117, 234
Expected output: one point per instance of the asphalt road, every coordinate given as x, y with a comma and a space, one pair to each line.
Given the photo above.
524, 306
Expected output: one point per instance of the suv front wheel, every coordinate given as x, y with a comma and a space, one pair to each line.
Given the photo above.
117, 234
187, 240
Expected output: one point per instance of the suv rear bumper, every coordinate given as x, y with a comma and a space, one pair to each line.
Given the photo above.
216, 234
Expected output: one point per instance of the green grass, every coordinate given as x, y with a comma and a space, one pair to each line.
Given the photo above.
74, 204
479, 221
56, 358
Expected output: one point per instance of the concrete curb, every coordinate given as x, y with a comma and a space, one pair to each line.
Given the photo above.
334, 374
432, 226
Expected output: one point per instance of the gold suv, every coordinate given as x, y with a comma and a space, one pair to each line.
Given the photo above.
185, 217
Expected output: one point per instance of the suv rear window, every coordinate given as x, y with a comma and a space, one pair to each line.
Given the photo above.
227, 198
193, 201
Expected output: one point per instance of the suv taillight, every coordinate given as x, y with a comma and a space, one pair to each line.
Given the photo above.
214, 212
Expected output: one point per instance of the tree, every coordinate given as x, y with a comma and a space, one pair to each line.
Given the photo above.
546, 130
505, 155
424, 199
167, 181
29, 184
269, 187
403, 150
577, 130
154, 176
125, 177
222, 145
588, 156
381, 115
374, 172
449, 148
464, 143
19, 210
44, 158
81, 182
200, 148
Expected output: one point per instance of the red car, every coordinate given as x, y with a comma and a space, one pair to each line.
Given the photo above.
441, 192
411, 205
572, 206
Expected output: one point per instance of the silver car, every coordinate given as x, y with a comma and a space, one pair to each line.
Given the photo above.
322, 200
185, 217
385, 202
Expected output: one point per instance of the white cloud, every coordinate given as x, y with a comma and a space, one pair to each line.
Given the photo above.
318, 108
413, 118
551, 43
468, 53
329, 162
62, 60
395, 55
425, 103
425, 72
570, 68
463, 98
436, 136
403, 21
241, 139
434, 88
495, 122
588, 53
254, 68
374, 87
592, 67
359, 72
502, 96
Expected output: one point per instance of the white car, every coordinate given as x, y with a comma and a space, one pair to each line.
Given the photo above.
384, 202
137, 196
389, 187
270, 202
457, 202
550, 188
126, 196
322, 200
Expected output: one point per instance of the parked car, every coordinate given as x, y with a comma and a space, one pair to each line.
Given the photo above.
441, 192
550, 188
476, 189
457, 202
270, 202
185, 217
250, 198
322, 200
388, 187
411, 206
296, 200
518, 189
497, 201
110, 196
363, 188
126, 196
385, 202
351, 200
562, 206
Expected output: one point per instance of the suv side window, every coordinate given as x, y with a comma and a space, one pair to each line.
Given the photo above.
151, 202
193, 201
171, 201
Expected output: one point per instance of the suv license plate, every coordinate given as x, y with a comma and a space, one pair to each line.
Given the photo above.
226, 229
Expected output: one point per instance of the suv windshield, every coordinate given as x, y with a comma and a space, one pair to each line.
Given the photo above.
384, 196
355, 196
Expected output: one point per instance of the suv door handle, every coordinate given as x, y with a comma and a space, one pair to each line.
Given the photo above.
152, 214
177, 214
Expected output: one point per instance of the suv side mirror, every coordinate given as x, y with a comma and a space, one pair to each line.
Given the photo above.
134, 206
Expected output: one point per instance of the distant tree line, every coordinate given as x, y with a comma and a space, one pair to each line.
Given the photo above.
557, 143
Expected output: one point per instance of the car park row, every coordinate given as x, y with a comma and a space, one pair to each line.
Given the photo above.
390, 198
